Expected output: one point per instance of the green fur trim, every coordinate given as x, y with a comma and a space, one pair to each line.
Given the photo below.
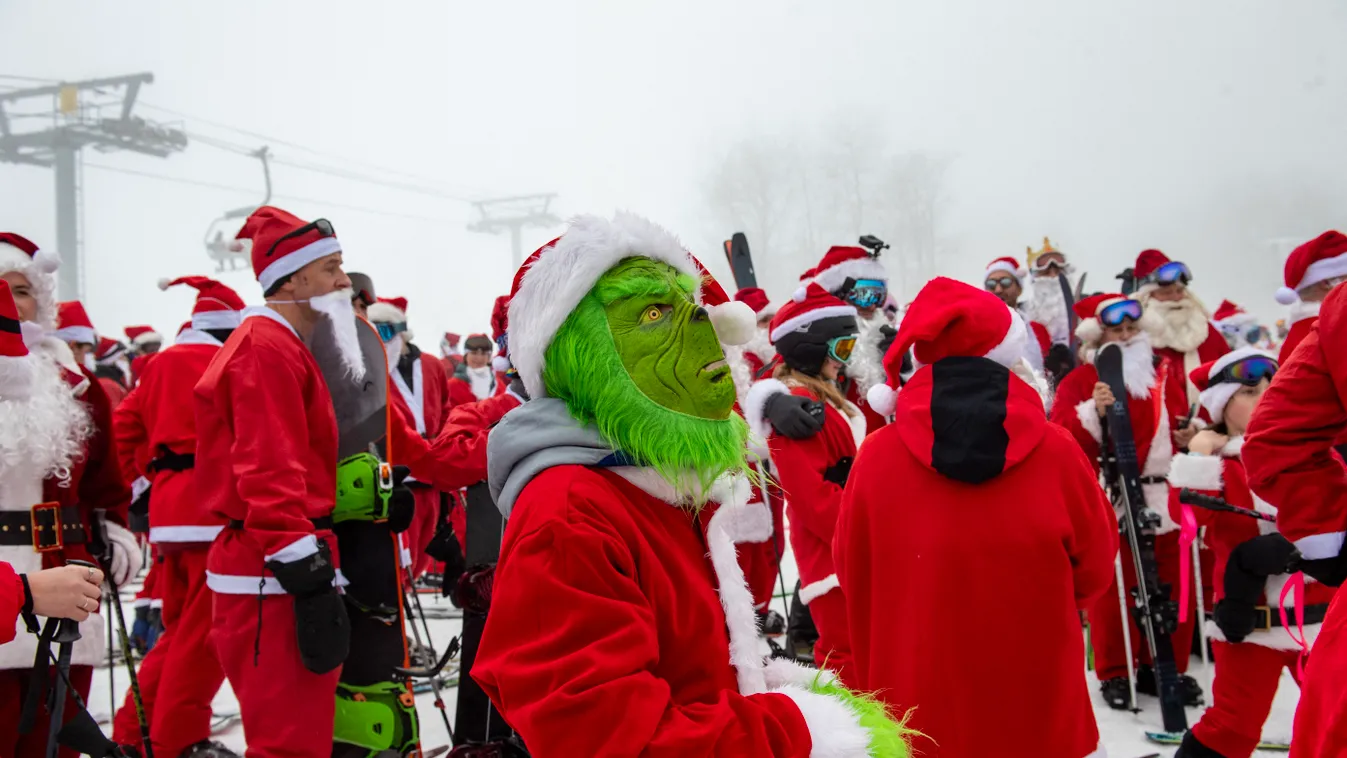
888, 738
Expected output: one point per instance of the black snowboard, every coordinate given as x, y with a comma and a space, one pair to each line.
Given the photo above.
741, 261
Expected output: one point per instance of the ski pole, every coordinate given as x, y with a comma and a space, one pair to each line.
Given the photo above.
1189, 497
1126, 632
130, 662
1201, 610
434, 680
112, 674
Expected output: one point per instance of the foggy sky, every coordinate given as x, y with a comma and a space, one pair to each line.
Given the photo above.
1202, 128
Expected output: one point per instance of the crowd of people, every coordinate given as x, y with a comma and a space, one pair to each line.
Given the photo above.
941, 470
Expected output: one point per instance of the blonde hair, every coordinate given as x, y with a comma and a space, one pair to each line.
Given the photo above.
823, 388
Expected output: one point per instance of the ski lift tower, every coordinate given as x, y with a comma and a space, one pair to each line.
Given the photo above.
73, 115
512, 214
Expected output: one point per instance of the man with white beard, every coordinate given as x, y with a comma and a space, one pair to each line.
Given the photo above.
1185, 334
57, 471
1046, 303
1312, 271
855, 276
1156, 403
266, 462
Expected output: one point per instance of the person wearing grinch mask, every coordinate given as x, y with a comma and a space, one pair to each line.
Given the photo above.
622, 481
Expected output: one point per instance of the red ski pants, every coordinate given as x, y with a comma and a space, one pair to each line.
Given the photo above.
832, 651
1242, 693
287, 710
13, 691
180, 676
1110, 655
1321, 718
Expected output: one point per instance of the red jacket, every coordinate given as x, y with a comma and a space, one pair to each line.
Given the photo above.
1182, 364
1300, 329
427, 399
114, 390
456, 458
1073, 408
954, 573
157, 416
266, 452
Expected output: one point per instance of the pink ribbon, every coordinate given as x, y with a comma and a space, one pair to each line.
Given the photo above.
1296, 586
1187, 536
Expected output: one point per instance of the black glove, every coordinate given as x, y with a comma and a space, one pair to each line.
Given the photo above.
401, 502
838, 472
322, 628
1264, 556
1246, 573
1059, 361
794, 416
886, 336
1328, 571
1236, 619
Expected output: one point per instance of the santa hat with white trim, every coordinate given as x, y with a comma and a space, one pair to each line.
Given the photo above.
16, 368
217, 306
73, 324
20, 254
266, 227
841, 263
1322, 258
557, 276
809, 305
1088, 328
950, 319
108, 351
1230, 314
142, 335
1010, 266
1215, 396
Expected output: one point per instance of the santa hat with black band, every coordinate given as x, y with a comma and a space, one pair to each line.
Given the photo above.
1320, 259
108, 351
73, 324
950, 319
217, 306
18, 253
843, 262
16, 368
1214, 397
275, 255
557, 276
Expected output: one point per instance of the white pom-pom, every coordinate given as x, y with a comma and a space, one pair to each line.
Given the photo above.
882, 399
47, 261
800, 294
165, 283
1287, 296
500, 363
734, 322
1089, 331
243, 246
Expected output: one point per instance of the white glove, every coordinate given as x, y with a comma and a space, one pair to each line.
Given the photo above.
125, 555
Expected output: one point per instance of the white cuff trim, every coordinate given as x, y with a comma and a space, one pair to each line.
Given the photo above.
1088, 415
157, 602
296, 551
1198, 472
834, 728
230, 584
779, 672
755, 405
1318, 546
814, 590
1275, 638
184, 533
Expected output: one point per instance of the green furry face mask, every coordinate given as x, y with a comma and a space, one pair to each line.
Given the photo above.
640, 360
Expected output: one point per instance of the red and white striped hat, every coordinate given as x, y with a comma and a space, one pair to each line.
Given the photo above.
217, 305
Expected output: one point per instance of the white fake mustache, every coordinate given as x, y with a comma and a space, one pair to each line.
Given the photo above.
339, 311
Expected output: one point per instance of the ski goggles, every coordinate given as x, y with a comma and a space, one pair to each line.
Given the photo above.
1004, 282
1247, 371
388, 331
322, 226
1044, 263
839, 348
867, 293
1170, 273
1117, 313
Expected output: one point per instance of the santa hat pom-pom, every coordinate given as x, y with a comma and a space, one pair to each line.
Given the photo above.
1089, 331
165, 283
500, 364
882, 399
47, 261
244, 246
800, 293
1287, 296
734, 322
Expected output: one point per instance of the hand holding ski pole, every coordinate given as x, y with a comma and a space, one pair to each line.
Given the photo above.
68, 592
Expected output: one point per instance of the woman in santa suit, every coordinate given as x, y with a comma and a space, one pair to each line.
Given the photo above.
814, 334
1249, 642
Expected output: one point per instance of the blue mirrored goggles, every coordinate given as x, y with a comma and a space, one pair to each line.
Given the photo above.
1115, 314
1170, 273
1248, 371
867, 293
840, 348
388, 331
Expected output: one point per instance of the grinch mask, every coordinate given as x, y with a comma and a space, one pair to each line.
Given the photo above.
640, 360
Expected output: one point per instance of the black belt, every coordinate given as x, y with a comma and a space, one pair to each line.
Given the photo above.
1153, 480
320, 523
45, 527
167, 460
1271, 618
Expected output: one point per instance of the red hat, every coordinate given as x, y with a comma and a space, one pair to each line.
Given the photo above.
108, 350
73, 324
1230, 314
950, 319
1008, 265
1147, 262
808, 275
141, 335
554, 279
388, 310
185, 326
217, 306
734, 321
397, 302
1088, 328
1320, 259
841, 263
1215, 396
266, 227
452, 339
753, 297
16, 376
500, 316
15, 249
809, 304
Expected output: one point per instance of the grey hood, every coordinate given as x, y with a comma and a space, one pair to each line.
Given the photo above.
534, 437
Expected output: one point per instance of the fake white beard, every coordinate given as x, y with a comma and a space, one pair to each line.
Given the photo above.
393, 351
89, 363
760, 344
740, 372
1047, 306
44, 433
339, 314
481, 380
866, 366
1138, 364
1184, 322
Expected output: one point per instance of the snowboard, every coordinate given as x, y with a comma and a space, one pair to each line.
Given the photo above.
741, 261
1156, 615
361, 408
1175, 738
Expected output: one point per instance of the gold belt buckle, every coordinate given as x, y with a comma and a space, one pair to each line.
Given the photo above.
58, 542
1265, 618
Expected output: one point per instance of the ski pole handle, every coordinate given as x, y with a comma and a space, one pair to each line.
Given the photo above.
1189, 497
1188, 420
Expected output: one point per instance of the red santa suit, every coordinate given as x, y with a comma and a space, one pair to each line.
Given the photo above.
1291, 464
1184, 352
1323, 258
12, 599
426, 400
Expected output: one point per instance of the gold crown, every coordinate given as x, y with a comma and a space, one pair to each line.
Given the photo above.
1031, 254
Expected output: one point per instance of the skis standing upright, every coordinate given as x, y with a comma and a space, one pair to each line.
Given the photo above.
741, 261
1156, 614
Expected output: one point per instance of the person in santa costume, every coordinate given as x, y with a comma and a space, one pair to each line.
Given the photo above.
814, 334
112, 368
145, 343
1238, 326
156, 435
450, 353
1184, 334
266, 465
855, 276
1249, 641
74, 328
1290, 464
938, 550
1312, 271
58, 471
619, 479
1157, 405
1046, 303
475, 378
758, 351
1006, 279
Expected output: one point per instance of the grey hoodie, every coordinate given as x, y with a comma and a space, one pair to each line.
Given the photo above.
534, 437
